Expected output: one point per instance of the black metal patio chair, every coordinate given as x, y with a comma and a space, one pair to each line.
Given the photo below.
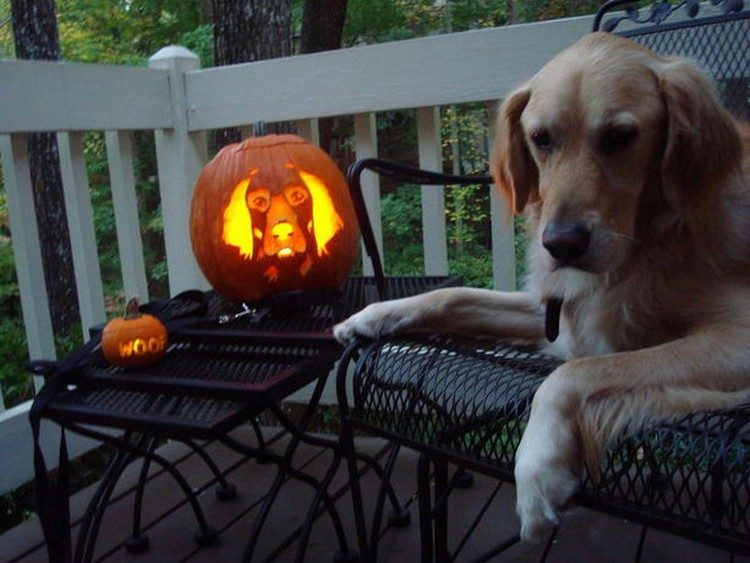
465, 403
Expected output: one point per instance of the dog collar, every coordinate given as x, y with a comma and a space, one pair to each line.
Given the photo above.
552, 318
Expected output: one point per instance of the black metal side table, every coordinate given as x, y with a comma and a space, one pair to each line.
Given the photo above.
221, 369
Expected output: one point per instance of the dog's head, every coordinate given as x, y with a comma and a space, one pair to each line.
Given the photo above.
604, 137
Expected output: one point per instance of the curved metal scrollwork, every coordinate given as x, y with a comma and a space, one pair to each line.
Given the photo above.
658, 12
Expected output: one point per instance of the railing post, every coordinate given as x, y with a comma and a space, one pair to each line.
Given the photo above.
434, 239
366, 146
27, 248
180, 156
81, 226
125, 202
503, 230
309, 129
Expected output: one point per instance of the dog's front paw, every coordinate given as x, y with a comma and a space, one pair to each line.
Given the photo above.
378, 319
547, 461
541, 493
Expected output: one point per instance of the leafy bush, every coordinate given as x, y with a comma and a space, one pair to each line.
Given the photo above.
402, 231
17, 384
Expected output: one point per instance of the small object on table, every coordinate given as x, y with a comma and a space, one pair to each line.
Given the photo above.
136, 340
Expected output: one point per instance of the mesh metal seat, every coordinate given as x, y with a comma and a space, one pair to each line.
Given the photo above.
468, 402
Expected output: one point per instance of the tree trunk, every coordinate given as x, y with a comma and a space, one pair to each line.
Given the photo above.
322, 29
35, 33
322, 25
246, 31
510, 9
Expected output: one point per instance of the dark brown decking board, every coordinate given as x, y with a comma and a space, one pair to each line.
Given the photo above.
585, 536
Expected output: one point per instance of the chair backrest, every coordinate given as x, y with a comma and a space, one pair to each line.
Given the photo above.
404, 174
715, 34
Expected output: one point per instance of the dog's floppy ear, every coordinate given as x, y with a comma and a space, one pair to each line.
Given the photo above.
513, 169
238, 223
703, 145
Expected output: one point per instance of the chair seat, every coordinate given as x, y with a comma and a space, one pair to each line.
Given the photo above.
469, 402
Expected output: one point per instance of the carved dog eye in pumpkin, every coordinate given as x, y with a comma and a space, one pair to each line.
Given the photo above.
296, 195
260, 199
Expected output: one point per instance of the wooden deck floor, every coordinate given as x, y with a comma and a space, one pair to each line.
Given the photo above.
584, 537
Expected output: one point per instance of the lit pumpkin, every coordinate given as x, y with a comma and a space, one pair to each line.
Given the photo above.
136, 340
272, 214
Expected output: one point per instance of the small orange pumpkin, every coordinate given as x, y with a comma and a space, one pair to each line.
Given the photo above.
272, 214
136, 340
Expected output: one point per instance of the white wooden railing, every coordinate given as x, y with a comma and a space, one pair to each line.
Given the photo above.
180, 102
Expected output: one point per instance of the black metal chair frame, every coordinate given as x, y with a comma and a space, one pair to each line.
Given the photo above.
715, 514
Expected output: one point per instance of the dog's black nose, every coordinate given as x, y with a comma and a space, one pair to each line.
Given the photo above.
566, 242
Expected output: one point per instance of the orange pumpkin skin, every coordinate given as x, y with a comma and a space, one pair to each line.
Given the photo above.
134, 342
272, 214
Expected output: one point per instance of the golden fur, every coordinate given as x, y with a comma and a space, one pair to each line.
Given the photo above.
636, 149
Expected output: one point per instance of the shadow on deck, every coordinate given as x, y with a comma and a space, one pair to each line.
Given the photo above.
169, 522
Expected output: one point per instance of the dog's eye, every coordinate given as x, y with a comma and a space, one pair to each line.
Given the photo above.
617, 138
296, 195
259, 200
541, 139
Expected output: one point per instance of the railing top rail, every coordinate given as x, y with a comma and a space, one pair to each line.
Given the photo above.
61, 96
454, 68
462, 67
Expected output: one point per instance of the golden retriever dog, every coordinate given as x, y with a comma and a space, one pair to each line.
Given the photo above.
634, 181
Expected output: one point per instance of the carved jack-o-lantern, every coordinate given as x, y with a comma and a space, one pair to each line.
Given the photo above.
136, 340
272, 214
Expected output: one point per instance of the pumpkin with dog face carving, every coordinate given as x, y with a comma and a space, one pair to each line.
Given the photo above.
272, 214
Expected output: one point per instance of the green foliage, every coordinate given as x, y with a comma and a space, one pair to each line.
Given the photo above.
374, 21
126, 31
477, 14
402, 231
8, 284
17, 383
152, 225
521, 242
7, 51
538, 10
473, 264
201, 42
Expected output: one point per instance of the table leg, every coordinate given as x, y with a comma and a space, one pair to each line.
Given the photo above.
425, 508
441, 510
205, 534
93, 510
286, 470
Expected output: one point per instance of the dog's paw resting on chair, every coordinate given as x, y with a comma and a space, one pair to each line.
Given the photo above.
378, 319
548, 459
541, 493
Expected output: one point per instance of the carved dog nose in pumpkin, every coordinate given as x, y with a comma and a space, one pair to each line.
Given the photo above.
284, 236
282, 231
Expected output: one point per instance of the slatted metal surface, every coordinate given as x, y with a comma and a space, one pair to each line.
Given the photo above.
148, 412
215, 373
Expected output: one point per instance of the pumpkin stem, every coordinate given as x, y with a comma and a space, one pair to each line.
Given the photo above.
131, 309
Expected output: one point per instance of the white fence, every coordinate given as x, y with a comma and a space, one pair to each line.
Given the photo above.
179, 102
